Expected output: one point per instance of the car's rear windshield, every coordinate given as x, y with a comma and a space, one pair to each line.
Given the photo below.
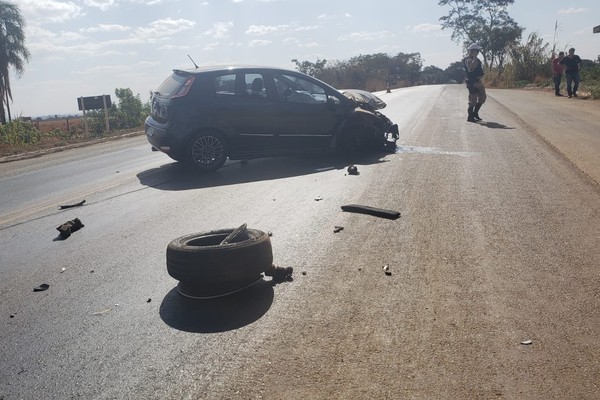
172, 84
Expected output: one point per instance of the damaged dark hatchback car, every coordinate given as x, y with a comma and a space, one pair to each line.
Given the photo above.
206, 115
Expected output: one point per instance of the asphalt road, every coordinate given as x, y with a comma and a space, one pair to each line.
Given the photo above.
497, 246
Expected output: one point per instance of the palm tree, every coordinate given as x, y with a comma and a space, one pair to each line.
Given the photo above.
13, 52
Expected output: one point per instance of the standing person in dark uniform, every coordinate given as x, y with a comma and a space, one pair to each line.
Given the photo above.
557, 72
572, 64
474, 71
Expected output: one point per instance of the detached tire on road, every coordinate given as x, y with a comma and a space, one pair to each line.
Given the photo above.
207, 268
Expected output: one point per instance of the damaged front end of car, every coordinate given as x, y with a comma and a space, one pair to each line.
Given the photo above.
367, 128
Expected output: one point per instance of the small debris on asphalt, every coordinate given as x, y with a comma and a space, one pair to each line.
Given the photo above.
72, 205
318, 198
527, 342
303, 272
270, 233
92, 271
69, 227
337, 229
352, 170
101, 312
386, 269
280, 274
12, 315
377, 212
41, 288
148, 301
63, 270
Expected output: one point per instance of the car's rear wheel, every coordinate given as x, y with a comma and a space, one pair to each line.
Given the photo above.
207, 151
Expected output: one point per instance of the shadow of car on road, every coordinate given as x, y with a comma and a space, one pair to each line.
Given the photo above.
218, 314
176, 176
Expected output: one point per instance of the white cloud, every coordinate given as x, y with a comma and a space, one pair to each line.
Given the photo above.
365, 36
259, 43
572, 10
163, 28
107, 28
219, 29
103, 5
259, 30
426, 27
211, 46
40, 11
150, 2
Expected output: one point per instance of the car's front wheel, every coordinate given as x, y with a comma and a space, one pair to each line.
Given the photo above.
207, 151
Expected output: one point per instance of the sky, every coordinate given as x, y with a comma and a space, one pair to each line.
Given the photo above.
92, 47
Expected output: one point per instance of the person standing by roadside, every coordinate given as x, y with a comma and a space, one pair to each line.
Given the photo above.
557, 72
572, 64
474, 71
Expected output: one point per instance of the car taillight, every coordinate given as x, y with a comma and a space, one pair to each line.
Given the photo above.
185, 88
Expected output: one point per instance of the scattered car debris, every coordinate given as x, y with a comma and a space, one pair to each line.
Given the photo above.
353, 170
62, 270
102, 312
377, 212
41, 288
280, 274
386, 269
270, 233
148, 301
318, 198
338, 229
12, 315
69, 227
72, 205
303, 272
527, 342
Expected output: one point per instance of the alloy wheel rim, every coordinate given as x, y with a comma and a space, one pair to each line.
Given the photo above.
207, 151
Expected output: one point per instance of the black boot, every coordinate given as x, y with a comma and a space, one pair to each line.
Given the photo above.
476, 112
470, 118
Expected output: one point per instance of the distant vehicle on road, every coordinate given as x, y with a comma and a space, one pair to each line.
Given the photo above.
205, 115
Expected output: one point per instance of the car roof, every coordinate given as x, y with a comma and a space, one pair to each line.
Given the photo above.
225, 67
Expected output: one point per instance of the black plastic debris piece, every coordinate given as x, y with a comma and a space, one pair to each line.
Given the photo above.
337, 229
149, 300
72, 205
377, 212
280, 274
69, 227
41, 288
353, 170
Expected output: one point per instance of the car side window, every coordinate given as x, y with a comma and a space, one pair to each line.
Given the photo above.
296, 89
255, 85
225, 85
